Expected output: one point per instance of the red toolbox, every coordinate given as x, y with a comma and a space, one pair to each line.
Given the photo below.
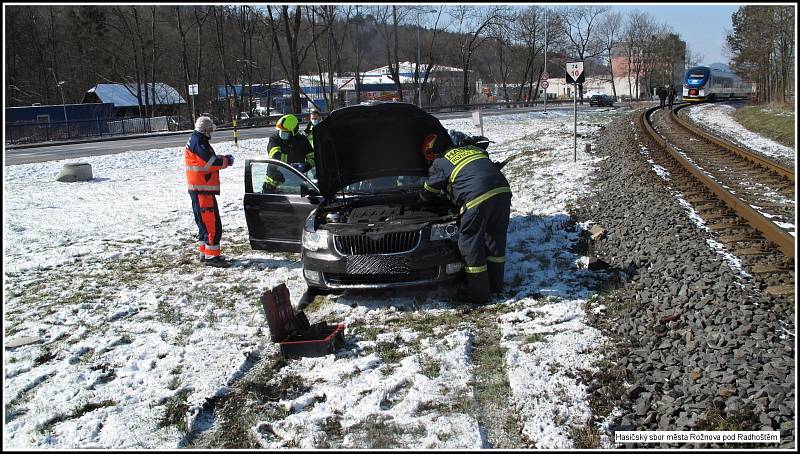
293, 332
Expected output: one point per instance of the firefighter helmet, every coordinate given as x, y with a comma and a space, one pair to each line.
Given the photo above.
427, 147
287, 123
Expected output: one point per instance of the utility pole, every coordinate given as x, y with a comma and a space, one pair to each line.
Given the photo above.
419, 57
63, 103
545, 56
419, 74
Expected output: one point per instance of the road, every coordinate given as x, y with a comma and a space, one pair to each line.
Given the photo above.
13, 156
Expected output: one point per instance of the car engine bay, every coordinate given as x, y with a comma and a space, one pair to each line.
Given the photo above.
385, 214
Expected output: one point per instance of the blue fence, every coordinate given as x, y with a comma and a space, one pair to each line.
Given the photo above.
30, 132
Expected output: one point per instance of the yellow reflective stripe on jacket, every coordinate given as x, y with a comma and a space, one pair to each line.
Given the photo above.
463, 163
431, 189
271, 181
457, 154
273, 151
484, 197
475, 269
495, 259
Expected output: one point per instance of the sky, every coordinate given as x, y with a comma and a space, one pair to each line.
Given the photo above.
703, 27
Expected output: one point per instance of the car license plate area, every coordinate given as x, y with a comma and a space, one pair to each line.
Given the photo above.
382, 264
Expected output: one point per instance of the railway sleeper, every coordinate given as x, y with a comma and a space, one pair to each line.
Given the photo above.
710, 206
781, 266
717, 214
780, 290
729, 239
698, 197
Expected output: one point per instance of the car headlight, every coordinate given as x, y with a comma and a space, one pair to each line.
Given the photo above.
314, 240
447, 231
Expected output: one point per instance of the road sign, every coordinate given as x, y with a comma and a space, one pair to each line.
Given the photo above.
545, 76
545, 84
575, 72
192, 89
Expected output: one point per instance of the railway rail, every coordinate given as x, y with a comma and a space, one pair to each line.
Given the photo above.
746, 200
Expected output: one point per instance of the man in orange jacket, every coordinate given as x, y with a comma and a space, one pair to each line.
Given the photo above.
202, 175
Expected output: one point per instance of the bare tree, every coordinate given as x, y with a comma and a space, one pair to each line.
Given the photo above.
636, 34
610, 33
693, 58
503, 49
580, 27
472, 26
184, 54
289, 26
201, 14
329, 62
388, 19
428, 41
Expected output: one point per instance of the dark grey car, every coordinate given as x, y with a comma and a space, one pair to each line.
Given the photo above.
362, 223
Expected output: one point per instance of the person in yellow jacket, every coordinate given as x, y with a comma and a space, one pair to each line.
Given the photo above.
289, 146
202, 176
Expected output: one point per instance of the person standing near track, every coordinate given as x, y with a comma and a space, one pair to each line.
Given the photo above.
662, 95
671, 95
202, 176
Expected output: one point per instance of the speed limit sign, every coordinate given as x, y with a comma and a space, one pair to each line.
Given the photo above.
545, 84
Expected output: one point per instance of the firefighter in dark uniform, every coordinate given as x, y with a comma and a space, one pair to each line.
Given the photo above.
289, 146
475, 184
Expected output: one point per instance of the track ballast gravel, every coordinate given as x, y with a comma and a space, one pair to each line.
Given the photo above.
698, 346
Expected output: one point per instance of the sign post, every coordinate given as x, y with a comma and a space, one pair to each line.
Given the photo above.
477, 119
544, 85
192, 94
545, 75
575, 76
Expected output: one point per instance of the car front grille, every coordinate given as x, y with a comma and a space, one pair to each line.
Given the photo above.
427, 274
387, 243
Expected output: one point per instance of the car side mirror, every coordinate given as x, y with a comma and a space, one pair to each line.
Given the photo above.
306, 191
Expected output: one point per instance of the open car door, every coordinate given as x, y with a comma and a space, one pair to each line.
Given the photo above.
275, 216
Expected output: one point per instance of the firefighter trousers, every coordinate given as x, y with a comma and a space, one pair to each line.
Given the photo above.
209, 224
482, 242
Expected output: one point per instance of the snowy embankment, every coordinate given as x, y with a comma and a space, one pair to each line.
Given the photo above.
136, 332
719, 119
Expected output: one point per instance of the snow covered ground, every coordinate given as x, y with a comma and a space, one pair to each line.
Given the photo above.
719, 119
138, 337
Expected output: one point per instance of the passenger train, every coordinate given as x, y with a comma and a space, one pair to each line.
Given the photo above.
703, 83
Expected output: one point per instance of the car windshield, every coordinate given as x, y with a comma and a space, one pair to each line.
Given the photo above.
385, 184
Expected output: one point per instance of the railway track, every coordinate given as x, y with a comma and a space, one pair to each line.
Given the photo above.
745, 200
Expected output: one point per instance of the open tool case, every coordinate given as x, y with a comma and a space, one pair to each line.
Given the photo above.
293, 332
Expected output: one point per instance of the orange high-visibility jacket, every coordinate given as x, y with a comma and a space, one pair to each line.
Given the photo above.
202, 165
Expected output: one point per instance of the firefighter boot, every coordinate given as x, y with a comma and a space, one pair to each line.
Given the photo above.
496, 271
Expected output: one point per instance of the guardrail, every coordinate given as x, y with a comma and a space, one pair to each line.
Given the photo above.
30, 132
35, 133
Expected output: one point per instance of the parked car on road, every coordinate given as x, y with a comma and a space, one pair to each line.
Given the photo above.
362, 224
601, 100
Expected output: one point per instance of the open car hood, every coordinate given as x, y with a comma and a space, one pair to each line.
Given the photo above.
361, 142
